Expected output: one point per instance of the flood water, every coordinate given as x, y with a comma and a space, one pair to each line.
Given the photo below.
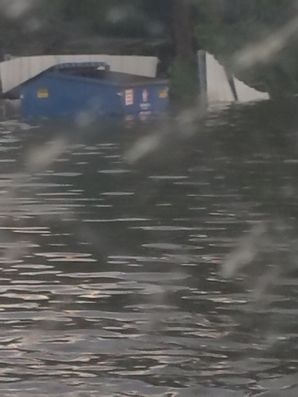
151, 261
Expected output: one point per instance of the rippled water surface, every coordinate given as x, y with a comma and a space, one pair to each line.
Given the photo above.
151, 261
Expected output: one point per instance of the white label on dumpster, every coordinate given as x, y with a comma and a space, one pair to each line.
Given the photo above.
145, 95
129, 97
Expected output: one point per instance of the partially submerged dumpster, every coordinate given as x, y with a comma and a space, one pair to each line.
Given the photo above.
90, 89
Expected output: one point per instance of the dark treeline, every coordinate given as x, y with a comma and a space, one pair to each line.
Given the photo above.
171, 29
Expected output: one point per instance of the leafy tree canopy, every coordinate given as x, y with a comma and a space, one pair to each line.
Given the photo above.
167, 28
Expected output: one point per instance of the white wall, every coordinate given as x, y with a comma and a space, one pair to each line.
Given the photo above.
18, 70
218, 88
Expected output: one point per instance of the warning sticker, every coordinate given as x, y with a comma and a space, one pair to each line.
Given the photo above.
42, 93
163, 93
129, 97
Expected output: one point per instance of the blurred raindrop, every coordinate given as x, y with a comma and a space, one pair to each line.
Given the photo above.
41, 157
16, 8
246, 251
264, 50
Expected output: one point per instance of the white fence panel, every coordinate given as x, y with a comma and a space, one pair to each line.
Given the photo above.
18, 70
218, 87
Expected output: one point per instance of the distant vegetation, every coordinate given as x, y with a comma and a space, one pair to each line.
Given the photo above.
268, 29
171, 29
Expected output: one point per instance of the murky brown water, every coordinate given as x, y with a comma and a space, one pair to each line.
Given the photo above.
112, 272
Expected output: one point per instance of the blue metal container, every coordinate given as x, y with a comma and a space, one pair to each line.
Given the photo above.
91, 90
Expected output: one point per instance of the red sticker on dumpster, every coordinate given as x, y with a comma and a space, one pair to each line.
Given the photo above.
129, 97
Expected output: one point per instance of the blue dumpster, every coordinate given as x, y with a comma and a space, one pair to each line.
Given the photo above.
71, 90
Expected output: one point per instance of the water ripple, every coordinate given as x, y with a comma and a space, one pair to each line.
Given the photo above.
111, 278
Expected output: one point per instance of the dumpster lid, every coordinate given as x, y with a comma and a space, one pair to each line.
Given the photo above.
81, 65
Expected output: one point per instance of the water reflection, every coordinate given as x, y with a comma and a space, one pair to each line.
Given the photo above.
171, 275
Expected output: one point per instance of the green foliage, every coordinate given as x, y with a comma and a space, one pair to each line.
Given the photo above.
105, 17
223, 27
227, 27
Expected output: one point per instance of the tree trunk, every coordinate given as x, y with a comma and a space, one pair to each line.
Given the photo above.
182, 29
184, 87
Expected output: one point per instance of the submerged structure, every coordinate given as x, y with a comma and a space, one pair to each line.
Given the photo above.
90, 90
70, 85
94, 85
